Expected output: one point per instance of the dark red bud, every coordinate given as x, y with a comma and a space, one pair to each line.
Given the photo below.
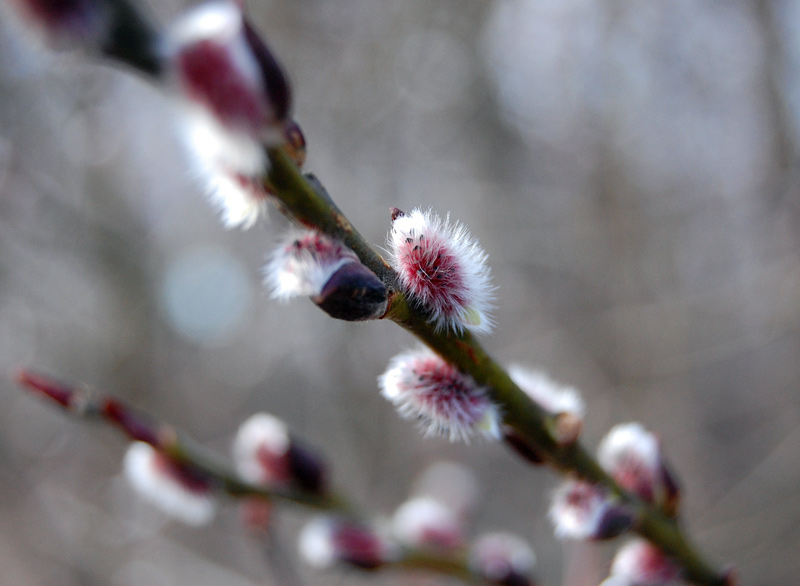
276, 84
360, 546
137, 427
396, 213
616, 520
306, 469
353, 293
52, 389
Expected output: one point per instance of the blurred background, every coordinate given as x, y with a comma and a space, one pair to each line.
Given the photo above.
630, 167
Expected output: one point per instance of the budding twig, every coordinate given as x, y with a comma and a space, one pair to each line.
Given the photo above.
85, 402
168, 440
308, 203
538, 434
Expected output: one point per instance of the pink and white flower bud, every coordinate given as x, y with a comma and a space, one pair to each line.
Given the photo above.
266, 455
223, 65
327, 541
303, 263
443, 400
503, 558
424, 522
548, 394
639, 563
261, 450
443, 270
581, 510
176, 489
237, 102
632, 456
312, 264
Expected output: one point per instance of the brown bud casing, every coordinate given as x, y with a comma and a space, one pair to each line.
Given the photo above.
295, 143
278, 90
567, 428
306, 470
616, 520
353, 293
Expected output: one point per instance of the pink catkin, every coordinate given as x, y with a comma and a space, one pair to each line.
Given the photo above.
443, 270
443, 400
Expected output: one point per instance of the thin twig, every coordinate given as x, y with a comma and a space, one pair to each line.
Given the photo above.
87, 403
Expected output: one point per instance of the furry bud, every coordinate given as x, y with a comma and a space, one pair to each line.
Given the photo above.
178, 490
443, 400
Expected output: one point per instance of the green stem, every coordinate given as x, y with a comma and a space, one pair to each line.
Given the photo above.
455, 566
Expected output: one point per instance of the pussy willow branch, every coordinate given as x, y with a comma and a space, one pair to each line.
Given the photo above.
89, 404
307, 202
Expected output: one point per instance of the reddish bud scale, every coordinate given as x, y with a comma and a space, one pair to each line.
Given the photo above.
136, 426
295, 143
56, 391
278, 90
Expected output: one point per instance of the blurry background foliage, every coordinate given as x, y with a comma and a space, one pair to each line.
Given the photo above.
630, 167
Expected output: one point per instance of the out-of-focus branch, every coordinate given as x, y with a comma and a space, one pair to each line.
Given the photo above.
87, 403
305, 200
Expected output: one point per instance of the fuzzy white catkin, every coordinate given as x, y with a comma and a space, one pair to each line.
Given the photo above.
159, 488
